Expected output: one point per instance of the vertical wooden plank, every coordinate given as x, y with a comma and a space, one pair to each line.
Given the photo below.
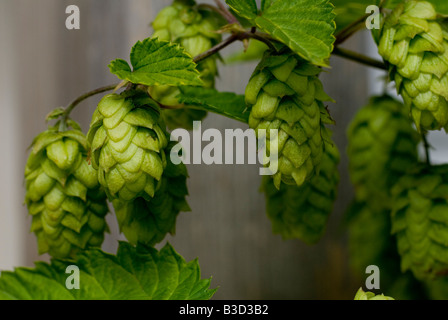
11, 223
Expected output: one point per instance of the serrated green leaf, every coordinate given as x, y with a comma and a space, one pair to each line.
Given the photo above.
244, 8
157, 62
224, 103
134, 273
305, 26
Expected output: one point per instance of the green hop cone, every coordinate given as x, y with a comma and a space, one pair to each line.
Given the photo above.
195, 30
370, 243
285, 94
127, 138
367, 295
382, 146
302, 212
63, 195
415, 45
149, 222
420, 221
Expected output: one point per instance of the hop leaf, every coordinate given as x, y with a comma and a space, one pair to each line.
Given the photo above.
284, 93
195, 30
135, 273
63, 194
302, 212
127, 141
415, 45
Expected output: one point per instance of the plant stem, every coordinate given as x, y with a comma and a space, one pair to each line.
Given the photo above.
427, 147
217, 48
351, 29
360, 58
77, 101
226, 13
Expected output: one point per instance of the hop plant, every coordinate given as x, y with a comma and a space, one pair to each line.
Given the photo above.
195, 30
128, 139
148, 222
415, 45
420, 223
382, 146
63, 195
284, 93
302, 212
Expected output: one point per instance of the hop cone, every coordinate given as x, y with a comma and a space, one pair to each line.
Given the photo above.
416, 47
149, 222
382, 146
284, 93
420, 221
367, 295
302, 212
195, 30
370, 243
63, 194
127, 141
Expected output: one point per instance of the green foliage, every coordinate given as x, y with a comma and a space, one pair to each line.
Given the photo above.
157, 62
227, 104
139, 273
305, 26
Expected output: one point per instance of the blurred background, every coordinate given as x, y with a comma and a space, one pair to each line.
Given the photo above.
45, 66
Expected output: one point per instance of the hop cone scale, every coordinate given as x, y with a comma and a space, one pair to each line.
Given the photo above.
420, 221
149, 222
63, 194
415, 44
382, 147
302, 212
284, 93
127, 139
195, 30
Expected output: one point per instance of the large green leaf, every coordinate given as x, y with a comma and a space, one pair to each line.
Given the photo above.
306, 26
135, 273
244, 8
157, 62
228, 104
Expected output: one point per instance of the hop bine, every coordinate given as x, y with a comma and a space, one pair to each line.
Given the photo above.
195, 30
415, 44
63, 194
285, 94
127, 138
